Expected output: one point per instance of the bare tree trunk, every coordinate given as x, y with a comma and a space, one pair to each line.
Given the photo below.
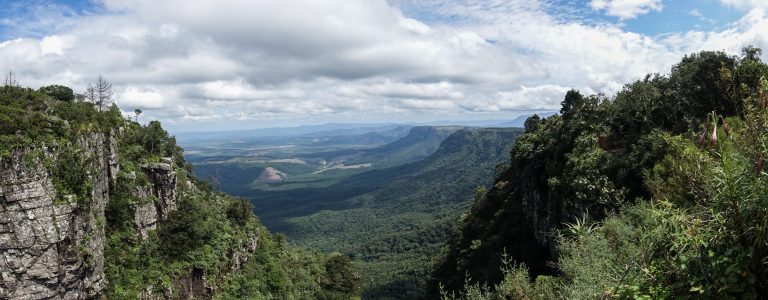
11, 81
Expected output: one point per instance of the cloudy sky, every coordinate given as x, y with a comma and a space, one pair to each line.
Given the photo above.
205, 65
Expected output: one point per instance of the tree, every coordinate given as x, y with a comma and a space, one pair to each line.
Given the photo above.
137, 112
341, 281
751, 52
104, 92
572, 100
532, 123
100, 93
90, 94
58, 92
11, 81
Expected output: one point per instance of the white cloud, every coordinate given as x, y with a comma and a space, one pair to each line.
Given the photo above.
196, 61
241, 90
388, 88
696, 13
144, 98
626, 9
543, 98
746, 4
426, 104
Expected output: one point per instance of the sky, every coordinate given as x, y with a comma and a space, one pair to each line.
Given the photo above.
201, 65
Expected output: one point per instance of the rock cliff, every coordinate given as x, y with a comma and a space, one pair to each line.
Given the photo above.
52, 249
159, 197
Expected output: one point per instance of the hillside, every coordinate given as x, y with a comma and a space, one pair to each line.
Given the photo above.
98, 206
271, 175
392, 220
657, 193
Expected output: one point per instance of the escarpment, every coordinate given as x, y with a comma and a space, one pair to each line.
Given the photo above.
52, 238
52, 244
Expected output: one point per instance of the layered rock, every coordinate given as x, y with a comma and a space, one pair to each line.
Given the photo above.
159, 197
52, 249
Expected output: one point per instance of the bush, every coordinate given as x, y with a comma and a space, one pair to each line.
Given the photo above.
58, 92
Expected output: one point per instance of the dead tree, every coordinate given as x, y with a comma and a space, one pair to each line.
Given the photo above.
11, 81
100, 93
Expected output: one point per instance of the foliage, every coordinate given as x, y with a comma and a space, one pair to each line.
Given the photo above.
390, 221
58, 92
342, 282
70, 174
211, 240
692, 143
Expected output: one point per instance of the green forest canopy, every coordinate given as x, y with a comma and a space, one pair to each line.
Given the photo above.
659, 192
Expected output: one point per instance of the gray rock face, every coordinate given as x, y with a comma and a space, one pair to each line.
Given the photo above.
242, 253
159, 197
145, 216
546, 214
52, 250
114, 162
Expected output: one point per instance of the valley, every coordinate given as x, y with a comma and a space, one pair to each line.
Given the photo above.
383, 150
390, 203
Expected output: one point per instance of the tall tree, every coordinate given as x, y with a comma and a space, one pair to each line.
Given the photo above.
103, 93
10, 80
100, 93
137, 112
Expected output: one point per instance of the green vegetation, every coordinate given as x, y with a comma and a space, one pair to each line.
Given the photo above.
391, 221
211, 246
319, 165
658, 193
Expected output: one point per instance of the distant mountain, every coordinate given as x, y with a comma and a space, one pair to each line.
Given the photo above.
358, 136
392, 220
420, 142
330, 129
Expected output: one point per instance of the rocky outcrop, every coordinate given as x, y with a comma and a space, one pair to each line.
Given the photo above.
113, 160
159, 197
52, 249
145, 216
241, 254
